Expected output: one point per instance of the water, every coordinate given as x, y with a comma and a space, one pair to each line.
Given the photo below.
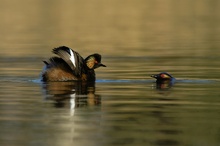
124, 106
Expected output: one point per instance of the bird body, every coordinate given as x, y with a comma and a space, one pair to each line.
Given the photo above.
70, 66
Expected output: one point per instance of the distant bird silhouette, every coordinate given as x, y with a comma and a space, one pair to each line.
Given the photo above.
164, 80
70, 66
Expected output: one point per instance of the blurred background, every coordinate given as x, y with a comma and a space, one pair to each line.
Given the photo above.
111, 27
125, 106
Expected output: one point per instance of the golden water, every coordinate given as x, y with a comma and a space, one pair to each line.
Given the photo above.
136, 38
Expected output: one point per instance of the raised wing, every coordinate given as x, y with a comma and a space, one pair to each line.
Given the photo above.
72, 58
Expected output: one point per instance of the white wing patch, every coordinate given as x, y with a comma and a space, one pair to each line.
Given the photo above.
72, 58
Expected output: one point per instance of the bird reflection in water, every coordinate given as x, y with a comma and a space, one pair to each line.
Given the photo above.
164, 81
78, 94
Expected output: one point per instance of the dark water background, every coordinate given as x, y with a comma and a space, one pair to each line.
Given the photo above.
136, 38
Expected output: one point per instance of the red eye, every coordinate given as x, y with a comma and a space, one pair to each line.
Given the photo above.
96, 62
162, 75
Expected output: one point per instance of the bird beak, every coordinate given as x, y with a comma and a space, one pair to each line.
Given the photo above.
154, 76
102, 65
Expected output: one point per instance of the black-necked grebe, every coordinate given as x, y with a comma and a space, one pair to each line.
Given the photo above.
70, 66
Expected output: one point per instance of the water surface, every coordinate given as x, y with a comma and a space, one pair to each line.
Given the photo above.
124, 106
